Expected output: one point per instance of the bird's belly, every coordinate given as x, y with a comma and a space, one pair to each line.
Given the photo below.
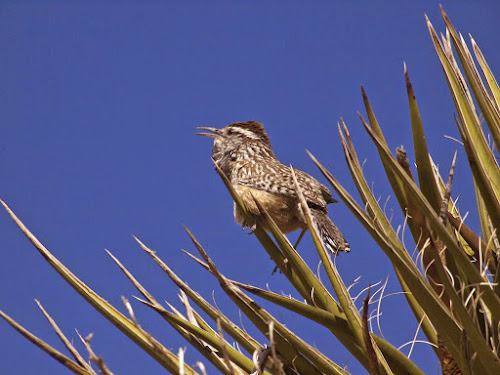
285, 211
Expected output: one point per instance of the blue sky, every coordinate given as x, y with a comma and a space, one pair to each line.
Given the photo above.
98, 109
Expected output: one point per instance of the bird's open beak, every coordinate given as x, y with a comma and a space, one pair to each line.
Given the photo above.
214, 132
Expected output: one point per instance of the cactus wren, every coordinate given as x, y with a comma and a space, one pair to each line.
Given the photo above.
243, 152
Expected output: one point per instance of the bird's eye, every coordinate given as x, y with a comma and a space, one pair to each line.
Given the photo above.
229, 132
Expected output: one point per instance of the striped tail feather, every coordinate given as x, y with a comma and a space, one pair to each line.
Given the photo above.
332, 237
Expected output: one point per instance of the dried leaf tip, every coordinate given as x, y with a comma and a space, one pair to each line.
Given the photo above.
6, 207
363, 93
443, 13
138, 240
344, 126
409, 86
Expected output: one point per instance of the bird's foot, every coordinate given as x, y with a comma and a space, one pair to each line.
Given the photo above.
285, 264
252, 228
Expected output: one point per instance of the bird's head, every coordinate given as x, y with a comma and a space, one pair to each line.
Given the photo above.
232, 136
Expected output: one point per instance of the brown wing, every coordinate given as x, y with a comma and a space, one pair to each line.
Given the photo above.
276, 178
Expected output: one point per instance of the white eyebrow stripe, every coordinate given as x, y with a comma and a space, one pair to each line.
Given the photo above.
246, 133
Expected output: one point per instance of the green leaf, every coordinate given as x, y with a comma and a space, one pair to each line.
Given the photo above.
54, 353
424, 165
488, 108
295, 351
163, 356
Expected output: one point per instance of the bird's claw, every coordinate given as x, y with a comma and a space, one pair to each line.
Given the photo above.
285, 263
252, 229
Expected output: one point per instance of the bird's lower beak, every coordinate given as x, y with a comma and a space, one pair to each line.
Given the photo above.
214, 132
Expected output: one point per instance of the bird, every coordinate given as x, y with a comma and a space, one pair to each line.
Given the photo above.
242, 150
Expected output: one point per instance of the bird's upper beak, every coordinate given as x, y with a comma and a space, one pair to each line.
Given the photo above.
214, 132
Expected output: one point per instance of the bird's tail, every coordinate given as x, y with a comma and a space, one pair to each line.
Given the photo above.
332, 238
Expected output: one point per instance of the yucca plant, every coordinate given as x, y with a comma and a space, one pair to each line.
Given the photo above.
450, 284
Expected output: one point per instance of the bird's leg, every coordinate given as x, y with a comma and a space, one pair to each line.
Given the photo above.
285, 264
300, 238
294, 246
